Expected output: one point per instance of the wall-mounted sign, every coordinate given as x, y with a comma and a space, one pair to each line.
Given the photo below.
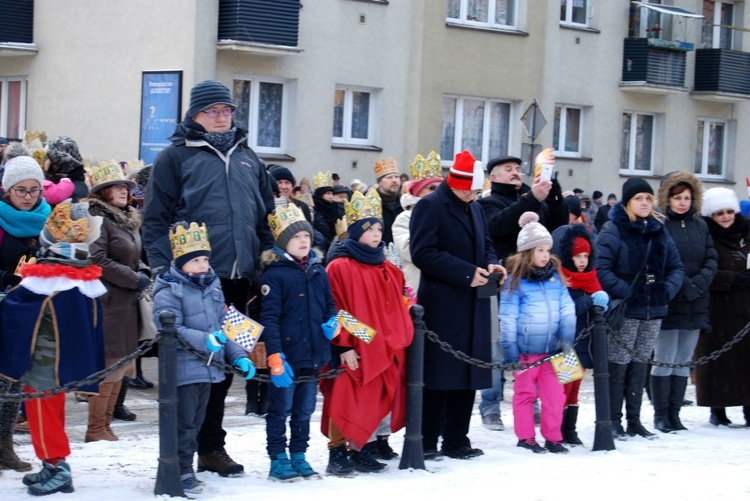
161, 98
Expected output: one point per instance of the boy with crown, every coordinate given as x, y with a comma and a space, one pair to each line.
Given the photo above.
52, 335
373, 383
192, 291
298, 314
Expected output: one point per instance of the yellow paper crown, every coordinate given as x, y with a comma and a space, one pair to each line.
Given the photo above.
364, 206
383, 167
284, 218
426, 168
323, 179
62, 226
132, 166
194, 239
105, 172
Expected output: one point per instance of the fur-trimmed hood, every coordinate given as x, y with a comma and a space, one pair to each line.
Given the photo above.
563, 238
128, 218
270, 256
673, 179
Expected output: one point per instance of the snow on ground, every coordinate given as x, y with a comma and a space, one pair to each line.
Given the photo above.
704, 463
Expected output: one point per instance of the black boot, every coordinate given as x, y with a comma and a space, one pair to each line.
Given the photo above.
616, 395
719, 417
660, 392
570, 418
121, 412
676, 397
251, 392
634, 381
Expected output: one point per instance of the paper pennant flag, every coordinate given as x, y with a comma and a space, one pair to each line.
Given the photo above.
355, 327
241, 329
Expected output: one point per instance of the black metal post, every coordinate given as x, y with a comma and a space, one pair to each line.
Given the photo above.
168, 475
413, 455
603, 440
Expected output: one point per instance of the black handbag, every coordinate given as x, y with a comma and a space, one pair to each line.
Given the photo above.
615, 314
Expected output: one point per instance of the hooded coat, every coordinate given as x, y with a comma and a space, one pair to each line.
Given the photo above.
689, 309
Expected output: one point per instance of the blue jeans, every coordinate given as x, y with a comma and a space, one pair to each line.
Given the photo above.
492, 396
297, 401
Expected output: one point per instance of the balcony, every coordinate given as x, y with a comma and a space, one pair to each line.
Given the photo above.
260, 27
654, 66
17, 28
722, 75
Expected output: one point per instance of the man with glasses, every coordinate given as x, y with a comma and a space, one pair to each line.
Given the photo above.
210, 175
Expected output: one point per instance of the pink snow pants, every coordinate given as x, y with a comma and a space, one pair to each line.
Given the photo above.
528, 385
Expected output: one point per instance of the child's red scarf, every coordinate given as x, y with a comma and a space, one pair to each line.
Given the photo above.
585, 281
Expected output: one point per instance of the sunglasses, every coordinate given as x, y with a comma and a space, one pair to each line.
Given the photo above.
720, 213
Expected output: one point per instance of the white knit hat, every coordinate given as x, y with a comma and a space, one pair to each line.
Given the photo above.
20, 169
532, 232
714, 200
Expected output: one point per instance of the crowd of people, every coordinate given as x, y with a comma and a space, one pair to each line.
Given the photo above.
330, 271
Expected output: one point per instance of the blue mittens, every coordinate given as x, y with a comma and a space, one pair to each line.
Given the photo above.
245, 365
281, 372
329, 327
600, 298
215, 341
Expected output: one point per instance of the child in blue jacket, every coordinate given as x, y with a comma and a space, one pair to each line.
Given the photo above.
192, 291
298, 315
537, 317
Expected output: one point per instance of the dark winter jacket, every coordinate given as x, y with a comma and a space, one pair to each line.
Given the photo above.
621, 249
192, 181
503, 209
295, 303
602, 216
689, 309
391, 209
12, 249
326, 215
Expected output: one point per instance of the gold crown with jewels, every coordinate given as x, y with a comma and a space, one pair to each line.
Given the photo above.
323, 179
384, 166
105, 172
364, 206
283, 218
426, 168
192, 239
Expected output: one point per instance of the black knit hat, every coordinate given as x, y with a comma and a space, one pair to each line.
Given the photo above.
574, 205
632, 187
207, 93
280, 172
597, 195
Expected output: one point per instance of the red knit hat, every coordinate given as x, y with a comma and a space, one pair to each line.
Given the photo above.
466, 173
580, 245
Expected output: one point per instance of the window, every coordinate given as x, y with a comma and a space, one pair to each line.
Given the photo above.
645, 23
638, 131
574, 12
356, 116
568, 128
12, 107
263, 109
481, 126
483, 13
718, 15
710, 148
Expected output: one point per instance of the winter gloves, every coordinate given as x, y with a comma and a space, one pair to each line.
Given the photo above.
215, 341
329, 327
281, 372
143, 281
245, 365
601, 299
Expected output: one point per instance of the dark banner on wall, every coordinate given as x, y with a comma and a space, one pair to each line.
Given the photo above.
161, 97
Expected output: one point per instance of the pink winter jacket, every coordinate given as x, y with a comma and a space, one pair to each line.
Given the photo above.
56, 193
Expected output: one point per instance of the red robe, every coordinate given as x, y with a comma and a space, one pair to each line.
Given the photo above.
358, 400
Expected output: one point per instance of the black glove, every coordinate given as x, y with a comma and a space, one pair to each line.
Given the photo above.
143, 281
555, 197
741, 279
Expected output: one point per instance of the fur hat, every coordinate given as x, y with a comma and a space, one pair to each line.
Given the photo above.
208, 93
19, 169
716, 199
532, 232
632, 187
466, 173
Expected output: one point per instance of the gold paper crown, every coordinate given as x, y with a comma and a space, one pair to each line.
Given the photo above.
132, 165
323, 179
364, 206
284, 218
430, 167
105, 172
194, 239
384, 167
63, 228
34, 140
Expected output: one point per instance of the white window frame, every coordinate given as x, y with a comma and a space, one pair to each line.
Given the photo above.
655, 134
707, 122
569, 14
491, 11
716, 30
4, 81
563, 129
373, 122
459, 126
287, 107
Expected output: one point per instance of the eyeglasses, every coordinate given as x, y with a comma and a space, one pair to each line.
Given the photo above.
22, 192
720, 213
213, 113
432, 187
120, 187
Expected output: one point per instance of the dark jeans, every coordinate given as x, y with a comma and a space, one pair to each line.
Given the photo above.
446, 413
212, 434
191, 410
297, 401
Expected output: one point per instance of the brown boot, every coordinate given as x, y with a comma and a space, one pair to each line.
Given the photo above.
97, 429
8, 458
111, 408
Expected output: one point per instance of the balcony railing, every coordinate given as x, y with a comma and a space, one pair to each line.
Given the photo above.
260, 22
649, 62
722, 71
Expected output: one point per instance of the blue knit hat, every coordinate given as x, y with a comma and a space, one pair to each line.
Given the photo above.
208, 93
